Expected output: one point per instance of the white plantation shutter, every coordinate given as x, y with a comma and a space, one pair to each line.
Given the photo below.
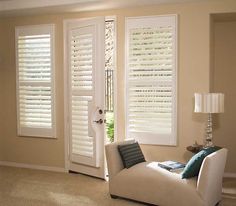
85, 39
35, 89
82, 91
151, 79
81, 61
82, 142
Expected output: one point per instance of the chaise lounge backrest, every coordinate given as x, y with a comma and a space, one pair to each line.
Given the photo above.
114, 162
209, 183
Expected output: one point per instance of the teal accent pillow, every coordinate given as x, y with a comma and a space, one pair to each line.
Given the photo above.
193, 166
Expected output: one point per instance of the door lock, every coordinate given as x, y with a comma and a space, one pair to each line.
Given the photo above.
100, 121
100, 111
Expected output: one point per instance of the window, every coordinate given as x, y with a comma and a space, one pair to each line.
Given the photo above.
35, 80
151, 79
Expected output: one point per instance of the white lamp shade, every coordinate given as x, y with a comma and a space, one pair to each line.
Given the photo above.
209, 102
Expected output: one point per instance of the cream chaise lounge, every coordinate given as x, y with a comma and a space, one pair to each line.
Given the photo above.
146, 182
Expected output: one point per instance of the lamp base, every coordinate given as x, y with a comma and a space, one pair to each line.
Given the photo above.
209, 142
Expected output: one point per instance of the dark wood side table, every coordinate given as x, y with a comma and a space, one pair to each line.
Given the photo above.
194, 149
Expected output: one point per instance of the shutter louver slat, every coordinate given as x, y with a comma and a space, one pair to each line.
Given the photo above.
150, 75
35, 93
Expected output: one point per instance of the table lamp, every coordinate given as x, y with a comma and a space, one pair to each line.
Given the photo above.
209, 103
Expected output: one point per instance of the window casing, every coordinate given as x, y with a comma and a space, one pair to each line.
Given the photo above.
35, 80
151, 79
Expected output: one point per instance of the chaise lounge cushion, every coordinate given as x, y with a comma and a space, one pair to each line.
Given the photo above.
150, 183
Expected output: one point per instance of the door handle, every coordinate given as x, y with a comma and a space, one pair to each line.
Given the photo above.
100, 121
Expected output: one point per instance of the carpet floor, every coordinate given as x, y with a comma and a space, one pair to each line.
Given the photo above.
25, 187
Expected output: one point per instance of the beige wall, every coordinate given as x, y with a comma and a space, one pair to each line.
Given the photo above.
39, 151
1, 90
224, 75
193, 75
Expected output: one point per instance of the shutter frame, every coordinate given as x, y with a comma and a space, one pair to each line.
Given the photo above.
36, 33
145, 22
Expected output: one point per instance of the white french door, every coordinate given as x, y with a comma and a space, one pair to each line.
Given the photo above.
84, 57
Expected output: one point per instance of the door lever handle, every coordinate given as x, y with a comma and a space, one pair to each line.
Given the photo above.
100, 121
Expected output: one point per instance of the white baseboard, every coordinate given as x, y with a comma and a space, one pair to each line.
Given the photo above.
231, 175
30, 166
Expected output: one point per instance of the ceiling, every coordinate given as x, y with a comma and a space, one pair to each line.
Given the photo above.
25, 7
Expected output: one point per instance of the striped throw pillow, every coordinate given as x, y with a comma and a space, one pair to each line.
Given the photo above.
131, 154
